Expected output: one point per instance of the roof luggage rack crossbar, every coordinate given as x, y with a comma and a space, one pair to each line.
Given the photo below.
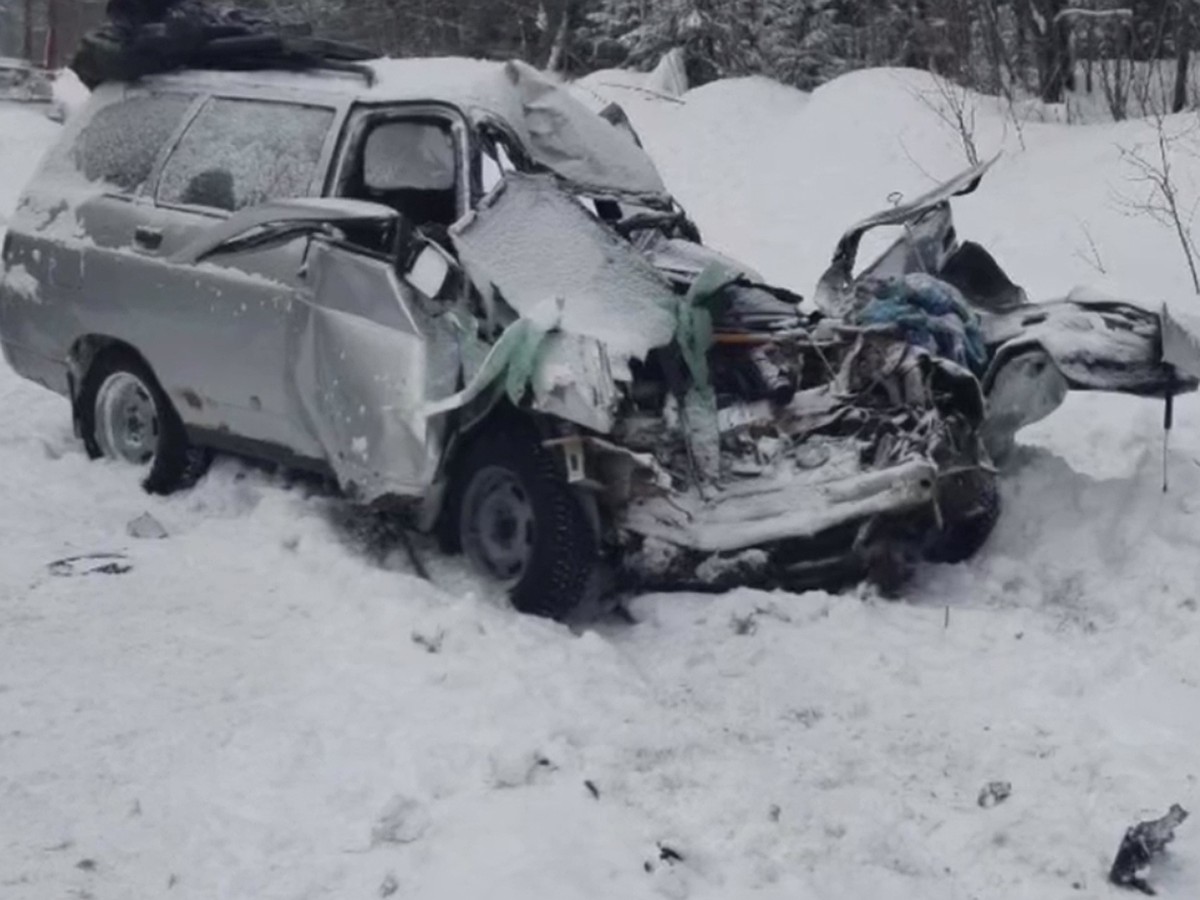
185, 34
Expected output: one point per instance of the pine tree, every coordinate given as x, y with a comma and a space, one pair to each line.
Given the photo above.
719, 37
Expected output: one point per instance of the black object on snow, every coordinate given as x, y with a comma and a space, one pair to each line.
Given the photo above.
146, 37
91, 564
994, 793
1141, 844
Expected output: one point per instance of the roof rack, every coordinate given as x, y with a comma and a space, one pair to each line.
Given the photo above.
189, 36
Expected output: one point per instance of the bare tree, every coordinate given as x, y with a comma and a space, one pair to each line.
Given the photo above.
956, 106
1116, 80
1092, 256
1162, 199
1052, 43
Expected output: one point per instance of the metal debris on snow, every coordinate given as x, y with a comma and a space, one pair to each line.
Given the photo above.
994, 793
91, 564
1140, 845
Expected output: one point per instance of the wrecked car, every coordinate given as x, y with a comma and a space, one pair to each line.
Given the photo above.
471, 301
1026, 355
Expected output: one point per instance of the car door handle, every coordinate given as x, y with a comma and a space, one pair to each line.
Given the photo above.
149, 238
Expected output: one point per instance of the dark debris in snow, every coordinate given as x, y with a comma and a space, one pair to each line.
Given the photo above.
1140, 845
91, 564
994, 793
669, 854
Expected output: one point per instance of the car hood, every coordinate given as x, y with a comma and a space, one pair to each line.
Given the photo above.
536, 248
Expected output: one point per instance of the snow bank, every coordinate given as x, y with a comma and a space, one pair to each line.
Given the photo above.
25, 135
774, 175
70, 94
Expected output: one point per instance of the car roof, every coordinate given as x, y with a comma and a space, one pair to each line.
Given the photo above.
470, 84
556, 129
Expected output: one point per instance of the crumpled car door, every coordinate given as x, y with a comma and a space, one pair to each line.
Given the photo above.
370, 353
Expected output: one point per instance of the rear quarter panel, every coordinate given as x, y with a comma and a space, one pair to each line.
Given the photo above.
43, 262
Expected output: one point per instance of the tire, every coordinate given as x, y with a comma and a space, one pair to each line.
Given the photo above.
520, 523
970, 506
119, 385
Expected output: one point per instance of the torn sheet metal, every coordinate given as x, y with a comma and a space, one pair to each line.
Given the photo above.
574, 380
1096, 346
794, 504
562, 134
684, 261
963, 183
561, 374
537, 246
1181, 341
1028, 389
834, 295
509, 364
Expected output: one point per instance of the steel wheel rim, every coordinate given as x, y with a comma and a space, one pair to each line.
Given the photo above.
127, 426
498, 526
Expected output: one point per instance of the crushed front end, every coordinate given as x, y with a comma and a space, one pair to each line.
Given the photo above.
827, 454
718, 436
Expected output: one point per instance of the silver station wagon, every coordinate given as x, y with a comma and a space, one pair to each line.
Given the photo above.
464, 295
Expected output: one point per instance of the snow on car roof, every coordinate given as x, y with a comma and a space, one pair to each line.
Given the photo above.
558, 130
470, 83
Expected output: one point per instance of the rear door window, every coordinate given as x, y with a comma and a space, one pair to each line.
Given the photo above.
121, 143
239, 153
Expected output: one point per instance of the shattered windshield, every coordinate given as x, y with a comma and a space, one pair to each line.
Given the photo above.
555, 129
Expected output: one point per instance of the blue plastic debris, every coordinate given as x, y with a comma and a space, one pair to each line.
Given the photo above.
931, 314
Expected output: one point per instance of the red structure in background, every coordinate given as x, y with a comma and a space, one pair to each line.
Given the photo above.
54, 28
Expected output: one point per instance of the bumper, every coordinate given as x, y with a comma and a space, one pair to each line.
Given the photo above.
762, 510
790, 532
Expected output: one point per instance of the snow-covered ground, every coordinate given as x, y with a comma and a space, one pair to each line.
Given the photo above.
260, 708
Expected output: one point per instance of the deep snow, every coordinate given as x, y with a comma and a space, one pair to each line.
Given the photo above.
260, 708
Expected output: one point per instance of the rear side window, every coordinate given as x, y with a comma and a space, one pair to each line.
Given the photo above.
121, 142
240, 153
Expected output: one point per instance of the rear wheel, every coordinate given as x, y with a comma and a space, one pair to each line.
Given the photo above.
125, 416
521, 524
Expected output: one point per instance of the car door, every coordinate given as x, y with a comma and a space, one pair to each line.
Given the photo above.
78, 218
224, 326
377, 352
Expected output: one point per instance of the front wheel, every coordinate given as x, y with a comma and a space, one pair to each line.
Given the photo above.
125, 416
970, 506
522, 525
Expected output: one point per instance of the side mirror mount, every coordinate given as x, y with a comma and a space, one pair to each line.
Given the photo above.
428, 270
282, 220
